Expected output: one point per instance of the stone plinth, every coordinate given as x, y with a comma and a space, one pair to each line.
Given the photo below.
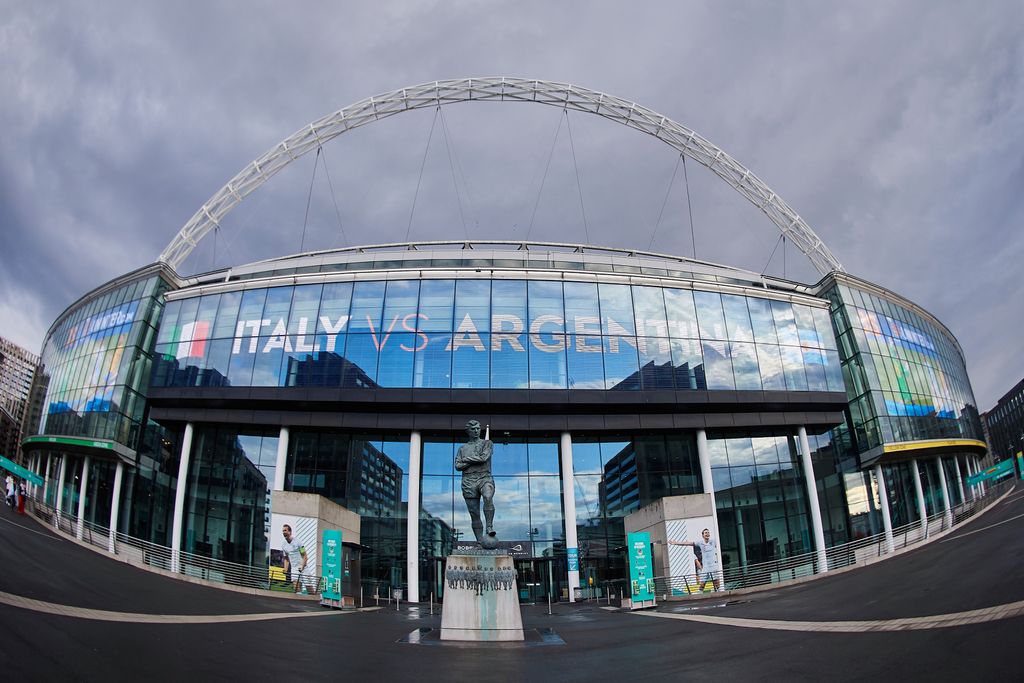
481, 599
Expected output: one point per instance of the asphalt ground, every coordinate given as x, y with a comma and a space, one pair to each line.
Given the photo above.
976, 566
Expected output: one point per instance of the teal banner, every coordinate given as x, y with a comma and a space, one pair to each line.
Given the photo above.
1000, 469
573, 556
15, 468
641, 572
330, 567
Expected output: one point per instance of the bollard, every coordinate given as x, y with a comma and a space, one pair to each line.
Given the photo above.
398, 602
431, 603
360, 596
549, 604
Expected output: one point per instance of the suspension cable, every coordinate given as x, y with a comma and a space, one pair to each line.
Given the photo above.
419, 180
455, 180
309, 199
668, 191
689, 207
334, 199
544, 177
579, 185
777, 242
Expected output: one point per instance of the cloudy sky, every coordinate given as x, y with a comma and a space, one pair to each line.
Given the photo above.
894, 129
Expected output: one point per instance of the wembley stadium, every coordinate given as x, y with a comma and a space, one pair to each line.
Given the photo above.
814, 416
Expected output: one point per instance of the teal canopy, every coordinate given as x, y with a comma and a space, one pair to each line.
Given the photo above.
15, 468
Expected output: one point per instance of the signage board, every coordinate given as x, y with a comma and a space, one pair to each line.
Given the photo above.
331, 569
15, 468
519, 549
573, 556
641, 568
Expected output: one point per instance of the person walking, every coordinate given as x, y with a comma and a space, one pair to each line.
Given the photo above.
10, 491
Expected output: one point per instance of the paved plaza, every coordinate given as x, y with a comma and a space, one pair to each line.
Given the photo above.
953, 609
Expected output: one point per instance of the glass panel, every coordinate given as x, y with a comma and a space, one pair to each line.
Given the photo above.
793, 365
688, 361
470, 360
620, 364
547, 361
361, 354
334, 309
770, 365
741, 451
649, 307
510, 458
367, 307
785, 323
227, 315
438, 457
586, 369
437, 305
396, 360
433, 364
473, 299
762, 322
512, 507
682, 317
400, 303
546, 508
710, 317
656, 369
616, 310
717, 366
737, 319
586, 458
744, 365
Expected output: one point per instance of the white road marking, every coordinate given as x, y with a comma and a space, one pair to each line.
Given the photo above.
977, 616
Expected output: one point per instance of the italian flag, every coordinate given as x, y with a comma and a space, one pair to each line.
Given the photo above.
195, 336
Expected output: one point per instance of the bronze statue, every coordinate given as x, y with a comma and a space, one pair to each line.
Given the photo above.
474, 461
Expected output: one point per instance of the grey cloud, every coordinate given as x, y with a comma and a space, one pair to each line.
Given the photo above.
893, 129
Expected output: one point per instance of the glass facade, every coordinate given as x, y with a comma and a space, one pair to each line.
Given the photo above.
97, 363
475, 334
527, 502
905, 377
367, 474
902, 373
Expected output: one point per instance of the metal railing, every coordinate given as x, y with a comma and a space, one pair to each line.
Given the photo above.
145, 553
860, 551
855, 552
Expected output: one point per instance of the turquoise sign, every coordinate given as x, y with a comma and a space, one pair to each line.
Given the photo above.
15, 468
573, 555
641, 568
330, 567
1000, 469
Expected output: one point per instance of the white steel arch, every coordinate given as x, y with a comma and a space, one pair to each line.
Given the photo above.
563, 95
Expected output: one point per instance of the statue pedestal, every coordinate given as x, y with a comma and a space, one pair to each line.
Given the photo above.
481, 600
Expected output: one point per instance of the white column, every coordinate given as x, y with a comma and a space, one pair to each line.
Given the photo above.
59, 503
922, 511
38, 470
282, 459
115, 506
179, 499
883, 500
81, 498
569, 505
948, 508
46, 478
812, 498
412, 521
704, 458
960, 479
